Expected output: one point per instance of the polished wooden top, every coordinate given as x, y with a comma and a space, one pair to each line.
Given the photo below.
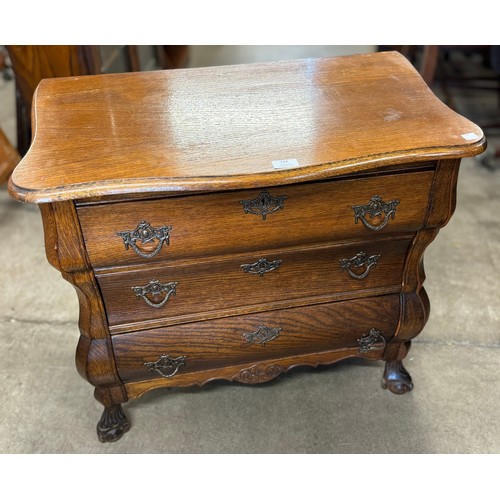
222, 127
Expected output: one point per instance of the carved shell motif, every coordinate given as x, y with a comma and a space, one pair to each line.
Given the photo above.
258, 374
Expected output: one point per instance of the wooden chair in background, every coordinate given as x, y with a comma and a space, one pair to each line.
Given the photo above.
32, 63
477, 73
9, 158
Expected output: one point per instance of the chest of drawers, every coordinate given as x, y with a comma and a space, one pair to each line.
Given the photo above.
235, 222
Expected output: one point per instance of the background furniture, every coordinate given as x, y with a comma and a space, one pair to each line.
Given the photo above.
9, 158
464, 72
32, 63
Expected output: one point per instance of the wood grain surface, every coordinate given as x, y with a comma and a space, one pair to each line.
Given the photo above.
218, 343
218, 286
221, 128
9, 158
65, 250
250, 373
216, 224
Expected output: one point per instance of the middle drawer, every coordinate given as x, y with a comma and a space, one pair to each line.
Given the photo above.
169, 294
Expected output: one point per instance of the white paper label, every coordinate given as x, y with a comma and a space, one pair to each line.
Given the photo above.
470, 136
290, 163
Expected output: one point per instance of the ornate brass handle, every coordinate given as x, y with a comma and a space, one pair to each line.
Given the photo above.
264, 204
262, 335
375, 208
145, 233
359, 260
166, 362
154, 287
371, 341
261, 266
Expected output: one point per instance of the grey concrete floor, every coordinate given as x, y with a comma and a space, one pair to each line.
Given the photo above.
455, 362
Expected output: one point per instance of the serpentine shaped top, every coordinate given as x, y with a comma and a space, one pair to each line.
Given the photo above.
231, 127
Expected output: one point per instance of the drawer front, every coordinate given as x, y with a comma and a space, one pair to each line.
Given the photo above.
192, 347
245, 221
178, 293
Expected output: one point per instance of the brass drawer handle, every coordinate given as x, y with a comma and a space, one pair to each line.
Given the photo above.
371, 341
375, 208
264, 204
359, 260
154, 287
262, 335
145, 233
166, 362
261, 266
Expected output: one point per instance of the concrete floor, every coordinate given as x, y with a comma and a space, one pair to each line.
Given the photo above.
455, 362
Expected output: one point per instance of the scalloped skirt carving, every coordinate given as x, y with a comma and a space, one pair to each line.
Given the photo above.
258, 374
253, 374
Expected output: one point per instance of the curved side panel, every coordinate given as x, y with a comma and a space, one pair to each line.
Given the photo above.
65, 250
415, 309
94, 356
444, 193
415, 306
255, 373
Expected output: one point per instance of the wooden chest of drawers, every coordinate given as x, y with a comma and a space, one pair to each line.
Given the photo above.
235, 222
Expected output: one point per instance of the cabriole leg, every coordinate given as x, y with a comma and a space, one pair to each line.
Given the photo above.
396, 378
113, 424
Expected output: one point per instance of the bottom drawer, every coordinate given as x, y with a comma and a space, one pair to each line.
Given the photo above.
191, 347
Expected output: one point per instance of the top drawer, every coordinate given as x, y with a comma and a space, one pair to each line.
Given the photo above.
243, 221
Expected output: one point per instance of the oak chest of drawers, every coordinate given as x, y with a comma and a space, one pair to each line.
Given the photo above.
235, 222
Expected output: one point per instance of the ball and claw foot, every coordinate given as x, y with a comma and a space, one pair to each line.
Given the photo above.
396, 378
113, 424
